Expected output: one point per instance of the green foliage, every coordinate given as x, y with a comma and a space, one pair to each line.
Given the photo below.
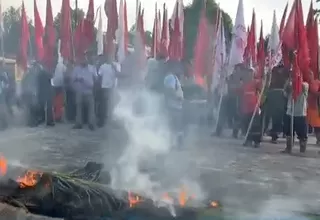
147, 35
76, 16
191, 22
11, 35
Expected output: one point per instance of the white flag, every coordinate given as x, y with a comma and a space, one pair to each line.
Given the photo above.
100, 35
274, 44
1, 19
239, 37
220, 55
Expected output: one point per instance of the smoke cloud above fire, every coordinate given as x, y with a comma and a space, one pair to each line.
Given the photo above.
148, 164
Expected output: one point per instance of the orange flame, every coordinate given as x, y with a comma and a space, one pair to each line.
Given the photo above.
3, 165
183, 197
30, 179
214, 204
133, 200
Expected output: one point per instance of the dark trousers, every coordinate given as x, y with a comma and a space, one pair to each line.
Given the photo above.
70, 105
255, 130
228, 115
300, 127
276, 124
33, 114
103, 110
46, 109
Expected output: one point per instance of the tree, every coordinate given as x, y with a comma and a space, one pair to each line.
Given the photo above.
147, 35
76, 16
191, 22
11, 35
317, 11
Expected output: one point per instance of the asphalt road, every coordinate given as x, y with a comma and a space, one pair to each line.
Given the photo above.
246, 180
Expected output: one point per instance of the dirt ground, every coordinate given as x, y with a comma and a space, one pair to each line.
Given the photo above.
246, 180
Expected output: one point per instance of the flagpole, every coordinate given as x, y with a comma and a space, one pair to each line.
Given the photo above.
255, 110
76, 13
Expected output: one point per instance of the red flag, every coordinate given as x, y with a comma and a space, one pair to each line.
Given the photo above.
246, 54
175, 50
89, 27
261, 56
22, 56
49, 39
66, 49
296, 79
200, 48
111, 11
283, 20
90, 12
295, 40
154, 44
126, 32
38, 33
312, 36
84, 32
252, 43
164, 33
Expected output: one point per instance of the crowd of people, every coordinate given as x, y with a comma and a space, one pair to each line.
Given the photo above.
78, 92
255, 107
85, 92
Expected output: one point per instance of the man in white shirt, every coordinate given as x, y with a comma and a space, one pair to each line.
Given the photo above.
174, 103
108, 76
83, 78
58, 84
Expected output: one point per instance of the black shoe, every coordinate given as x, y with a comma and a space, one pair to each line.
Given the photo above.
247, 144
286, 151
50, 124
274, 140
235, 134
91, 127
256, 145
100, 125
77, 127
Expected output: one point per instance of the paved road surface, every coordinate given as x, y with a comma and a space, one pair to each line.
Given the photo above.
245, 179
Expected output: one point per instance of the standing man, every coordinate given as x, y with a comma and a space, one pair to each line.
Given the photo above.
4, 85
83, 78
298, 110
58, 86
108, 76
174, 104
45, 95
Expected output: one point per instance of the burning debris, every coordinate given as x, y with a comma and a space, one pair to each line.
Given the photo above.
83, 194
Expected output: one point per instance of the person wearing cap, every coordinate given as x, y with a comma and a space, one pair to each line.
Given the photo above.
83, 78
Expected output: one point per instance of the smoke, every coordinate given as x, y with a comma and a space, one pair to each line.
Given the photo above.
148, 164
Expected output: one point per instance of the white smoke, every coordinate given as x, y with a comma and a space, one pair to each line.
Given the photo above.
149, 144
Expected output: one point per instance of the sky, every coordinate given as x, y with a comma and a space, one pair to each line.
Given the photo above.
263, 8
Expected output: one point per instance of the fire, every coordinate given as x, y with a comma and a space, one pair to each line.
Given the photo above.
214, 204
30, 179
3, 165
133, 200
183, 197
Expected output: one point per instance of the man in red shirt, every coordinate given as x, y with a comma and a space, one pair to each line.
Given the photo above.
249, 102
